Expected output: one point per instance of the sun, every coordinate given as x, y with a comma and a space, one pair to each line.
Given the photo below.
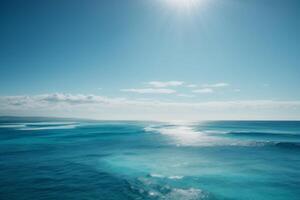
183, 5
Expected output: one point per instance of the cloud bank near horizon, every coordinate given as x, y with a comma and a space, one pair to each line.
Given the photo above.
101, 107
161, 84
150, 90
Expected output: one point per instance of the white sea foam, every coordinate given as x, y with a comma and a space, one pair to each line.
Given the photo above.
215, 132
150, 128
185, 194
166, 191
12, 125
162, 176
48, 127
175, 177
41, 125
152, 193
157, 175
50, 123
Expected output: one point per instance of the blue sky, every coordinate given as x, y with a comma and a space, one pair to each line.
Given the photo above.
197, 51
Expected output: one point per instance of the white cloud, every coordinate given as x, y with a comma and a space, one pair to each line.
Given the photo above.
61, 98
99, 107
191, 85
204, 91
161, 84
216, 85
185, 95
150, 90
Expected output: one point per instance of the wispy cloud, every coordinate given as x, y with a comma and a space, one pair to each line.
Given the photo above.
191, 85
161, 84
150, 90
209, 88
204, 91
216, 85
186, 95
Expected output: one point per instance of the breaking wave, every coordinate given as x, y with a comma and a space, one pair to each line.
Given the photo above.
41, 126
263, 134
12, 125
148, 187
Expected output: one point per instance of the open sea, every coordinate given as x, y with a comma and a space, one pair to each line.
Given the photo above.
120, 160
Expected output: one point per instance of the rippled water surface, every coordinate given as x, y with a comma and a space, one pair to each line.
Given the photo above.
150, 160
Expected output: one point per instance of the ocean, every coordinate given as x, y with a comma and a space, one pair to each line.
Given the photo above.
119, 160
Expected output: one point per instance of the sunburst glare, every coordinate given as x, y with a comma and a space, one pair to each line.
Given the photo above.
183, 6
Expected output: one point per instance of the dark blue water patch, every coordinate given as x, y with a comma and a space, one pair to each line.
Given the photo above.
263, 134
251, 126
61, 180
288, 145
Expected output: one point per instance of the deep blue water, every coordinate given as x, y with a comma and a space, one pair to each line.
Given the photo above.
150, 160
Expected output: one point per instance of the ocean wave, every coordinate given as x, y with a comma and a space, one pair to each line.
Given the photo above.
32, 128
162, 176
186, 194
175, 177
288, 145
12, 125
217, 132
156, 175
262, 134
50, 123
151, 188
41, 125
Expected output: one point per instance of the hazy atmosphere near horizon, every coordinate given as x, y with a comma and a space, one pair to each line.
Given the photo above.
149, 99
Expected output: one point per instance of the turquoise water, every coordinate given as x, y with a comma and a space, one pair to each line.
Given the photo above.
150, 160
